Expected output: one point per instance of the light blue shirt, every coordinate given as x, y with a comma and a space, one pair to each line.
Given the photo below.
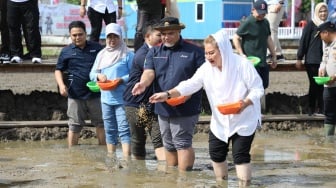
121, 70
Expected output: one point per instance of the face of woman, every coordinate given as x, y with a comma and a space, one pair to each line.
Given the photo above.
212, 54
112, 40
323, 13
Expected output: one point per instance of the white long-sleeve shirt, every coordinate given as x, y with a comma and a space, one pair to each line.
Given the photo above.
248, 85
102, 5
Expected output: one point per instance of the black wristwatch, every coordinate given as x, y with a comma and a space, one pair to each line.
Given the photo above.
168, 95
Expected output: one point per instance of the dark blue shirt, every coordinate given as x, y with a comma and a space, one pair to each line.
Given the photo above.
134, 77
173, 65
77, 63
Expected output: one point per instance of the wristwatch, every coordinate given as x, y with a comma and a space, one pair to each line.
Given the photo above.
168, 95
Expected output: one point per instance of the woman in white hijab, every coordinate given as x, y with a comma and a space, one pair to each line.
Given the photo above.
114, 62
311, 50
226, 77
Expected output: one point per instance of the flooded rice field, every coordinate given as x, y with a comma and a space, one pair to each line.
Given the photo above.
280, 159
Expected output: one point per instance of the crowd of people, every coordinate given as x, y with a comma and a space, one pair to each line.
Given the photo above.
164, 66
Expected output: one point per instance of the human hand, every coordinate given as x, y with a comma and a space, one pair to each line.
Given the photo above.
63, 90
138, 89
158, 97
321, 72
299, 64
278, 8
82, 11
102, 77
273, 64
332, 80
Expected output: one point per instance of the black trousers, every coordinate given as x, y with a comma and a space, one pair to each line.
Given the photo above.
4, 28
24, 16
315, 93
96, 19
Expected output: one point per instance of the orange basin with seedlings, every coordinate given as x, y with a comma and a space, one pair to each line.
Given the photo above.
108, 84
229, 108
176, 100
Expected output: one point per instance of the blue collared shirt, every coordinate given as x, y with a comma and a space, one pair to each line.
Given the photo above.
171, 66
77, 63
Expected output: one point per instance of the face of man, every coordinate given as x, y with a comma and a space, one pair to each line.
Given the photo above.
154, 38
170, 37
324, 35
257, 16
78, 37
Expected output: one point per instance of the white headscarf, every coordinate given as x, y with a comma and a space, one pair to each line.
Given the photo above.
316, 19
109, 56
229, 72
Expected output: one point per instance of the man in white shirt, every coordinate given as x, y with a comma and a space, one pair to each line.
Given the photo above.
276, 10
99, 10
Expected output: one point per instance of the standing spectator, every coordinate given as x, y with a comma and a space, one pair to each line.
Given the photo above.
226, 71
165, 8
253, 37
140, 113
173, 11
4, 51
311, 49
99, 10
77, 60
114, 63
149, 11
173, 61
24, 14
327, 32
49, 23
276, 10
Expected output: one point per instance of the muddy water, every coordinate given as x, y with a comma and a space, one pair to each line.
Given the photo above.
280, 159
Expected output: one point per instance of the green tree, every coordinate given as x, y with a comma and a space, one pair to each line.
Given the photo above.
306, 5
76, 2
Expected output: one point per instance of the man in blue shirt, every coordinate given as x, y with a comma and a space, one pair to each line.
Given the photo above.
139, 112
167, 65
77, 60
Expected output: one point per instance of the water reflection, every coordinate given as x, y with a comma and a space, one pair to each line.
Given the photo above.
280, 159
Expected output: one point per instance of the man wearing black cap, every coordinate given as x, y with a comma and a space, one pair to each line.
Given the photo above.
167, 65
327, 32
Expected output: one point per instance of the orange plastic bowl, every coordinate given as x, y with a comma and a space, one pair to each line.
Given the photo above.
229, 108
176, 100
108, 84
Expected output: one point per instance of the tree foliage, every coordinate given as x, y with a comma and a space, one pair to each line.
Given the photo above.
76, 2
306, 5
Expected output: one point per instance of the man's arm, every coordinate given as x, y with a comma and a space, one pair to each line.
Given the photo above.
237, 44
147, 78
82, 10
62, 87
271, 47
120, 8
